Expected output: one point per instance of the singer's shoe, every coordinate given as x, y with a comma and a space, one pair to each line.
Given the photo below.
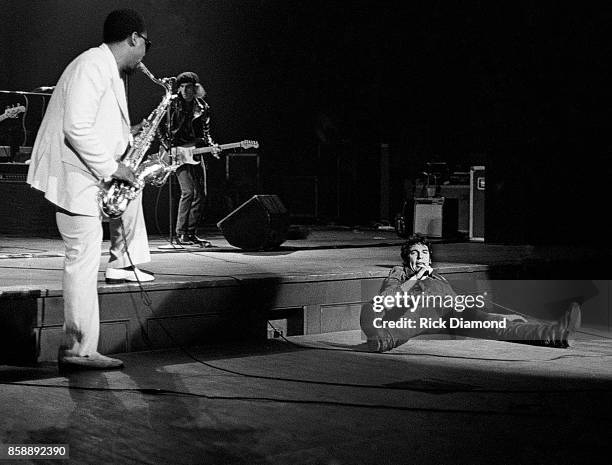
69, 362
129, 275
570, 324
383, 340
560, 334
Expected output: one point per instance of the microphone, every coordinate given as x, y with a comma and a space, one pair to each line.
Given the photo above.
427, 272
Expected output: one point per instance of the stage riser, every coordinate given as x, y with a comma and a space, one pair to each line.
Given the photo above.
211, 314
192, 315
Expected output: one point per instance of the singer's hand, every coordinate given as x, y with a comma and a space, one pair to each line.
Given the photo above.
124, 174
423, 272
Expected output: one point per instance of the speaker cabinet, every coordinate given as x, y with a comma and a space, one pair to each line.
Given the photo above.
260, 223
428, 216
435, 216
5, 153
24, 211
461, 192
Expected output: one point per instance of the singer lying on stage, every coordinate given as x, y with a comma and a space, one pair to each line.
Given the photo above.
414, 300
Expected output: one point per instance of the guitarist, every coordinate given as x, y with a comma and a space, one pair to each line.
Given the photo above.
190, 128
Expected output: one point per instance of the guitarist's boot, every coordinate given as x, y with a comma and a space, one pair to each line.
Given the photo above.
198, 240
184, 239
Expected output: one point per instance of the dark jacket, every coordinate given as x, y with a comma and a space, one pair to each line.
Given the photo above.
190, 123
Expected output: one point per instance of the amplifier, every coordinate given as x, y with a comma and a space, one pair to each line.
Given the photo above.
242, 171
13, 177
24, 211
23, 154
5, 153
435, 216
13, 172
461, 192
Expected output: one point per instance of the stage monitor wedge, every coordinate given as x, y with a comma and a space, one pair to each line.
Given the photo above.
260, 223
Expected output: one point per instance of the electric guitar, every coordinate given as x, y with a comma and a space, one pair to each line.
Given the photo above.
191, 157
12, 112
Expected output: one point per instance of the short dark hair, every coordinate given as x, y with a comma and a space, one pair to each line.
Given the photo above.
119, 24
413, 240
187, 77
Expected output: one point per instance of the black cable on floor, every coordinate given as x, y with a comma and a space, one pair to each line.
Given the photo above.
145, 391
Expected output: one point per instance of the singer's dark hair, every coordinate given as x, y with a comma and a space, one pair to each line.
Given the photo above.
119, 24
413, 240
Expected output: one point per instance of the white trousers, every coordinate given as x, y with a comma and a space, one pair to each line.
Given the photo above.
136, 233
82, 237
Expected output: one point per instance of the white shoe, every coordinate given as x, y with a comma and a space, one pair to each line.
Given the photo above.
121, 275
69, 362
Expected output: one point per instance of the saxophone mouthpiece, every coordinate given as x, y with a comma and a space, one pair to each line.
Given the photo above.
170, 82
141, 67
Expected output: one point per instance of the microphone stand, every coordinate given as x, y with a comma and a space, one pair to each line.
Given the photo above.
168, 147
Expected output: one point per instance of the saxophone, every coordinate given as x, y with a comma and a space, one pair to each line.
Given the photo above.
115, 195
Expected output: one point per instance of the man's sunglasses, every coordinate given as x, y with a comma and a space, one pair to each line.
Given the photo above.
147, 42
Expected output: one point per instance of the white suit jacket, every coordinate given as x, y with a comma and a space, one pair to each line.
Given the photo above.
86, 128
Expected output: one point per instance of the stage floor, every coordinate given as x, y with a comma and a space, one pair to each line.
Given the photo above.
31, 264
320, 399
36, 263
314, 398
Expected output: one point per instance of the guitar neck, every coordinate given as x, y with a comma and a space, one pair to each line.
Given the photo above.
10, 113
222, 147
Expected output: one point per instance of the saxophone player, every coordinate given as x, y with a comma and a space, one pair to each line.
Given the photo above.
85, 130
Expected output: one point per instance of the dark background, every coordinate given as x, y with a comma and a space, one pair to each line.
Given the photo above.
523, 88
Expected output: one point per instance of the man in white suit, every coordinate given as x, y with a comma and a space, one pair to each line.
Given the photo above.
85, 131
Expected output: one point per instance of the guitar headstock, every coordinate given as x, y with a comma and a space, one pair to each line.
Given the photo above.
249, 144
12, 112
